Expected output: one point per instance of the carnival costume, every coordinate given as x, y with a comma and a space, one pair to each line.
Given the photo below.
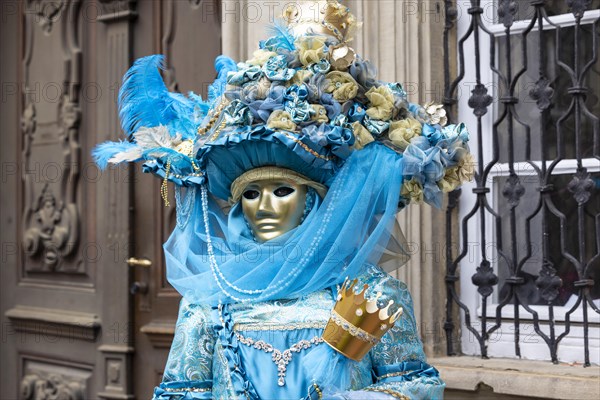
278, 319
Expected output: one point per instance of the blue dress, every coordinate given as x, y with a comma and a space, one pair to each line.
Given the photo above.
239, 350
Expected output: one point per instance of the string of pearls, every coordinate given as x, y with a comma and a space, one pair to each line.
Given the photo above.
287, 280
214, 267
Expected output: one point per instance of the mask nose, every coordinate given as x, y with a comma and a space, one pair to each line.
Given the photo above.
265, 205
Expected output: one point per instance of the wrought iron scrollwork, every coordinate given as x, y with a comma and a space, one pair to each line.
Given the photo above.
546, 206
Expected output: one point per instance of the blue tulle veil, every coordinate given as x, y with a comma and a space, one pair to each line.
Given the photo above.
351, 226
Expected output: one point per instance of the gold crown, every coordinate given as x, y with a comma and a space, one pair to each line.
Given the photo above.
357, 324
321, 17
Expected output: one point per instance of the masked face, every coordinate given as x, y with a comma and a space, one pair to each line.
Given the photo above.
273, 207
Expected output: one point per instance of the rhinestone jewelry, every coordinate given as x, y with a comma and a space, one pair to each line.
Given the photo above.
353, 330
280, 358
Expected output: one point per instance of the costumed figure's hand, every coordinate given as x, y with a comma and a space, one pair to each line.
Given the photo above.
355, 326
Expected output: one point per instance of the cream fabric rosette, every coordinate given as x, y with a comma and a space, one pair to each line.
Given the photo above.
261, 57
280, 119
412, 190
381, 101
362, 136
311, 49
342, 85
401, 132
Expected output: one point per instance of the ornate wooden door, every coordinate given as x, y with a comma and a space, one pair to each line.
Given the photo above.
188, 34
77, 243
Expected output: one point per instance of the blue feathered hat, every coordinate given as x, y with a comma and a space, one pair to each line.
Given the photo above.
304, 102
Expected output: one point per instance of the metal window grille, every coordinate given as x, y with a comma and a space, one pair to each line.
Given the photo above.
537, 233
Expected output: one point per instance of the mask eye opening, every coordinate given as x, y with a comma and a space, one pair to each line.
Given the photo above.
251, 194
283, 191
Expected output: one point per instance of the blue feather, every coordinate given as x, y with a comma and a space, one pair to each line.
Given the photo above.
145, 101
280, 30
142, 96
107, 150
223, 65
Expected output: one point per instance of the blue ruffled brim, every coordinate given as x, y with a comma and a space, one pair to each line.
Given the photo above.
242, 148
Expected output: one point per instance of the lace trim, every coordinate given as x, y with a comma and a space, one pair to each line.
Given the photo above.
199, 390
279, 327
353, 330
280, 358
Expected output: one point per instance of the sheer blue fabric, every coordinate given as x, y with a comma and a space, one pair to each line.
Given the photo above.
350, 228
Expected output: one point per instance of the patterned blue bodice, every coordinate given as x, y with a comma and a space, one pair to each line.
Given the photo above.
239, 350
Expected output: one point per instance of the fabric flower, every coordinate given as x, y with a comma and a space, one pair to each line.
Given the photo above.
436, 112
281, 120
237, 113
337, 138
341, 85
357, 113
333, 107
419, 113
401, 132
341, 57
432, 133
296, 105
450, 181
311, 49
456, 132
397, 90
263, 108
400, 100
364, 73
412, 190
466, 168
244, 75
276, 69
261, 56
362, 136
302, 77
251, 91
296, 92
423, 160
376, 127
381, 103
316, 85
322, 67
341, 120
320, 114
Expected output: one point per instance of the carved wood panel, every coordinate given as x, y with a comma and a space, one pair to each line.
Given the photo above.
50, 121
53, 380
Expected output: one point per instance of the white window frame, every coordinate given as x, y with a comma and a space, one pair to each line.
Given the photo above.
501, 343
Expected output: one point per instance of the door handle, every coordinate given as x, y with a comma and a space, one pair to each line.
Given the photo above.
139, 262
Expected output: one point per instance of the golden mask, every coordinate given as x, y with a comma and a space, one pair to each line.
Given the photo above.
273, 207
